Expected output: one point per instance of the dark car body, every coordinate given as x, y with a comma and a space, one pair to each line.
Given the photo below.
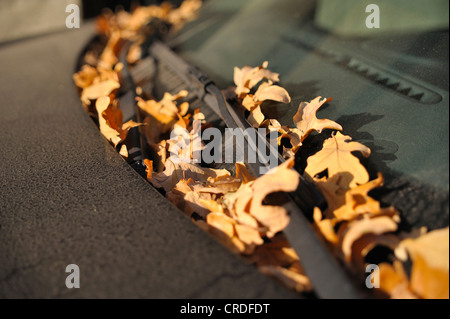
67, 197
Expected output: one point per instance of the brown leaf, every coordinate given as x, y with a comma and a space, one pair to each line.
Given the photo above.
347, 204
134, 53
336, 157
357, 229
266, 91
186, 12
280, 179
165, 111
248, 235
178, 196
174, 172
222, 222
293, 134
273, 93
98, 90
123, 151
109, 56
256, 116
430, 256
394, 281
85, 76
223, 184
306, 121
276, 252
222, 227
148, 168
108, 132
363, 246
325, 227
248, 77
242, 173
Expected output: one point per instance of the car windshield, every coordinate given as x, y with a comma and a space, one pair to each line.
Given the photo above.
389, 82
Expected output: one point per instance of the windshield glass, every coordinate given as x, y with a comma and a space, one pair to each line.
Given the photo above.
389, 84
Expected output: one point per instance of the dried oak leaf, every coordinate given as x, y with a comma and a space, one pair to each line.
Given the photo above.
394, 281
280, 179
165, 111
222, 227
186, 145
238, 204
85, 76
123, 151
141, 16
188, 200
222, 185
148, 168
97, 90
253, 219
347, 204
355, 230
266, 91
276, 252
243, 174
110, 133
363, 246
247, 77
109, 56
325, 227
110, 121
186, 12
293, 134
336, 157
430, 271
306, 121
244, 238
134, 53
174, 172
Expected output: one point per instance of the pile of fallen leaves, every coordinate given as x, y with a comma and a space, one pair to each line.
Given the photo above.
354, 223
232, 208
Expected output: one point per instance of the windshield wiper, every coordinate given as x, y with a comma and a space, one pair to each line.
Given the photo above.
328, 278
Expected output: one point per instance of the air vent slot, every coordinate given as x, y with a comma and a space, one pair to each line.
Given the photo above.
377, 75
